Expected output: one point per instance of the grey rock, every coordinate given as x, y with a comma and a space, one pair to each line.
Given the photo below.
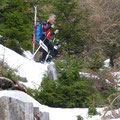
12, 109
19, 87
36, 110
37, 113
52, 71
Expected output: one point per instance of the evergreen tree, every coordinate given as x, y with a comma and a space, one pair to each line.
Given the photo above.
3, 3
72, 21
71, 89
16, 24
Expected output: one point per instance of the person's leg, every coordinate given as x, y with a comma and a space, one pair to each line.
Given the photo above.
54, 51
44, 54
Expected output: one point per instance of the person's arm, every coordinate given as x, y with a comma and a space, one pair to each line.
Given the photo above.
54, 33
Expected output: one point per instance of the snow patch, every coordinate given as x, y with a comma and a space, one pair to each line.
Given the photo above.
28, 54
33, 71
107, 63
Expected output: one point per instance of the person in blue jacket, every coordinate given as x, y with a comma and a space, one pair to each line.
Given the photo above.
46, 28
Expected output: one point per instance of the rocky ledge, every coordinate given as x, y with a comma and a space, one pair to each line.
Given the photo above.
7, 84
13, 109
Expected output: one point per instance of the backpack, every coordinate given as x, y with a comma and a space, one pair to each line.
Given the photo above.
38, 32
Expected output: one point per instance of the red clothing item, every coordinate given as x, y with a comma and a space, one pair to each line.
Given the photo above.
47, 29
48, 32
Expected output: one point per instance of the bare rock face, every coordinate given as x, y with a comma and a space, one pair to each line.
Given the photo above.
12, 109
40, 115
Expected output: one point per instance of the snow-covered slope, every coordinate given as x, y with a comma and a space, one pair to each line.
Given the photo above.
30, 69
